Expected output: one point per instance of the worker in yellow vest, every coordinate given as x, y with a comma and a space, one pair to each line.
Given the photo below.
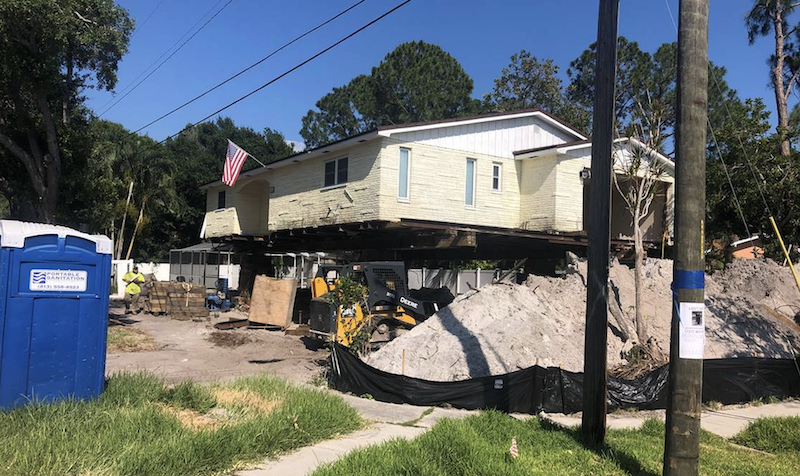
134, 278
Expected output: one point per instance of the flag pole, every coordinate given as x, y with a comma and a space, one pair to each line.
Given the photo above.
249, 154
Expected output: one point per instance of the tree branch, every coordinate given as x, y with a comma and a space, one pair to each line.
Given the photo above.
84, 19
49, 127
791, 82
26, 160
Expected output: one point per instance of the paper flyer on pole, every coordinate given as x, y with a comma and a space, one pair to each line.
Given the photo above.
692, 330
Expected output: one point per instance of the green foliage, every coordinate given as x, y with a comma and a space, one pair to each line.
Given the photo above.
133, 429
479, 445
348, 293
633, 67
483, 264
166, 181
416, 82
50, 52
780, 435
530, 83
755, 168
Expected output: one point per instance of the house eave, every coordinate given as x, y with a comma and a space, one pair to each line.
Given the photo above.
303, 156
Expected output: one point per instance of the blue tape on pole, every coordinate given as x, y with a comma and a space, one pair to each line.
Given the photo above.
689, 279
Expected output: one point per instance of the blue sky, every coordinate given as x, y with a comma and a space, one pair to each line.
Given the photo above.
481, 35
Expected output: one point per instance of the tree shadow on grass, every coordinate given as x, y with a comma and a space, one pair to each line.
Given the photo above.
626, 462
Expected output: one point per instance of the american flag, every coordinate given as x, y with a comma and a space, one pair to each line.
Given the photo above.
234, 159
513, 450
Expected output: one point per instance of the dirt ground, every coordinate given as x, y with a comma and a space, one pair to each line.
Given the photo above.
183, 350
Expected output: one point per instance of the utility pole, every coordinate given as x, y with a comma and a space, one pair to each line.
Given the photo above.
595, 376
682, 441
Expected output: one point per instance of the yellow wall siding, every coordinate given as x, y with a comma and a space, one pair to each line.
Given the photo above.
537, 205
250, 199
299, 199
437, 186
569, 201
221, 222
569, 193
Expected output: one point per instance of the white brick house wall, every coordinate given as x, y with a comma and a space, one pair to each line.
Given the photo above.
541, 189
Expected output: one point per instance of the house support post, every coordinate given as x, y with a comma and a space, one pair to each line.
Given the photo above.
599, 228
682, 439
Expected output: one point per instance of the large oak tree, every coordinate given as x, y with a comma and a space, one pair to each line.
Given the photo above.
416, 82
50, 52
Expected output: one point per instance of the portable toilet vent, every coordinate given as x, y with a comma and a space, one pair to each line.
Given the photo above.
54, 291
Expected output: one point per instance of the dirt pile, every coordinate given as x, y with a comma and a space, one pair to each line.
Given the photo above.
505, 327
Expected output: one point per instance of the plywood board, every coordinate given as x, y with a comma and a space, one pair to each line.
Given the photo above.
272, 301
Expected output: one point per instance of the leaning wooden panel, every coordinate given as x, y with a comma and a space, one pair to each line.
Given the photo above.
272, 301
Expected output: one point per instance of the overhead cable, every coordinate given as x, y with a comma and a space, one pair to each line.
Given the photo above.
166, 59
265, 58
287, 72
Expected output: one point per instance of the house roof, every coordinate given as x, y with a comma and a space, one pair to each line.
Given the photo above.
492, 116
554, 146
752, 240
581, 144
387, 131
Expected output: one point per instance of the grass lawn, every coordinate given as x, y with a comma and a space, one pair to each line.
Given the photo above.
478, 445
129, 339
779, 435
139, 426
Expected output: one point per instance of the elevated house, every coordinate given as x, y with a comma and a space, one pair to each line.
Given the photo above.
496, 185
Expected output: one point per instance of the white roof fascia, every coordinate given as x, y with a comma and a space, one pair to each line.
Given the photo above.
13, 234
739, 242
293, 159
563, 150
478, 120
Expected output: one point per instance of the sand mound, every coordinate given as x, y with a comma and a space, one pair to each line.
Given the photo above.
505, 327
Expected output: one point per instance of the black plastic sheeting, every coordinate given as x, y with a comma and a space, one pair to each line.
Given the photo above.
554, 390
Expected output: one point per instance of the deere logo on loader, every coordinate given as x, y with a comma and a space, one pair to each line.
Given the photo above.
406, 302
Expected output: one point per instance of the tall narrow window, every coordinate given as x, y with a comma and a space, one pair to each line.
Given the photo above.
403, 174
335, 172
469, 192
497, 177
221, 199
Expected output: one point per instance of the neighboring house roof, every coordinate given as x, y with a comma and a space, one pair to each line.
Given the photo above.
753, 241
581, 144
387, 131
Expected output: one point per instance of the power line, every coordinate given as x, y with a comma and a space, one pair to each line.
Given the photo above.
299, 65
147, 18
273, 53
165, 53
167, 58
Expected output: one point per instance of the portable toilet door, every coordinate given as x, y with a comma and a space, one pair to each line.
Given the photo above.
54, 292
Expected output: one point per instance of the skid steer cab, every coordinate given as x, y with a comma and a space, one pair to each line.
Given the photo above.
389, 309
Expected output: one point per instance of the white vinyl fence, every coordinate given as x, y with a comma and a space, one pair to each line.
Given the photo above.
458, 282
161, 272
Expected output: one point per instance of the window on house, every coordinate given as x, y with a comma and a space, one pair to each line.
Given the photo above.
469, 192
403, 174
497, 177
221, 200
336, 172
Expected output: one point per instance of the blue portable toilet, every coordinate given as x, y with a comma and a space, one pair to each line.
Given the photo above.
54, 291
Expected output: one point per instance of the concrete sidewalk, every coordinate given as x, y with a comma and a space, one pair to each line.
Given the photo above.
309, 458
392, 421
725, 423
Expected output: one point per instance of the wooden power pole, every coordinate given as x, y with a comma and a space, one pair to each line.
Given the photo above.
599, 227
682, 442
